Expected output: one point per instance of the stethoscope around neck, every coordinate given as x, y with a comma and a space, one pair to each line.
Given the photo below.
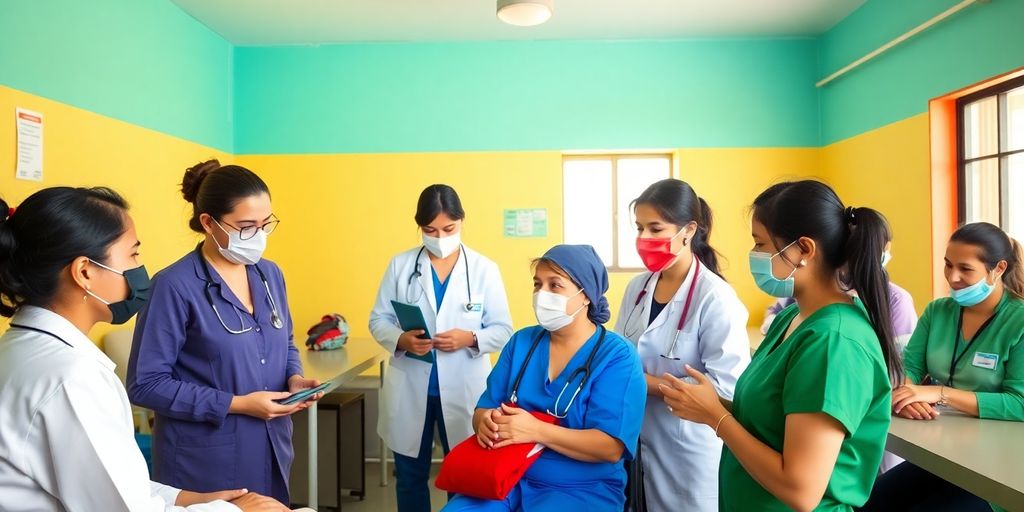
584, 370
275, 316
415, 275
682, 318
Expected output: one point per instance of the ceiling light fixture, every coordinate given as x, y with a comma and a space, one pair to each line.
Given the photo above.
525, 13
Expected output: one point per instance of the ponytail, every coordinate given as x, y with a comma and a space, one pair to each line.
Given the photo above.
676, 202
847, 237
701, 243
869, 232
994, 245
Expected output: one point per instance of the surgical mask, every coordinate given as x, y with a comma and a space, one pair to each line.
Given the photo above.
761, 270
886, 258
242, 252
138, 293
550, 309
442, 247
973, 294
656, 253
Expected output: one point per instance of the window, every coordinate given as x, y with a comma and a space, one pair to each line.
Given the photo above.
990, 156
597, 193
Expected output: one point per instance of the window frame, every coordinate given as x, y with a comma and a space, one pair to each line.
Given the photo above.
614, 159
1001, 153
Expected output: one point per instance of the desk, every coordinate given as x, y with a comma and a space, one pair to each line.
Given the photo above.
981, 456
357, 356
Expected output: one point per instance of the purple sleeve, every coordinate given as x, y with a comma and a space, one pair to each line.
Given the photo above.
779, 306
904, 316
159, 337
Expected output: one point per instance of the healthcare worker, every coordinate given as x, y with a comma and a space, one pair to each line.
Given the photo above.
213, 349
573, 368
680, 313
967, 354
69, 259
436, 381
810, 416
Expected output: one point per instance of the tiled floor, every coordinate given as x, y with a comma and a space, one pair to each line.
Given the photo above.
382, 499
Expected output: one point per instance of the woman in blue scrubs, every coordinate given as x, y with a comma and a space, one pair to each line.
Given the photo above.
213, 349
575, 369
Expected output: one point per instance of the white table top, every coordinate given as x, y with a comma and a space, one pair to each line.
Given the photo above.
984, 457
358, 355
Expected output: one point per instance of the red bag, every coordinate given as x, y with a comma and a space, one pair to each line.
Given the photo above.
484, 473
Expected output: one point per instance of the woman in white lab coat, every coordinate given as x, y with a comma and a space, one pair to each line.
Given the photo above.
680, 313
69, 259
436, 380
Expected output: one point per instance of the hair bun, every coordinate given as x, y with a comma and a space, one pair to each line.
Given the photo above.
194, 177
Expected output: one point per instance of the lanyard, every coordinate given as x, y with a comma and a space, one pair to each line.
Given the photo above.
40, 331
954, 359
585, 369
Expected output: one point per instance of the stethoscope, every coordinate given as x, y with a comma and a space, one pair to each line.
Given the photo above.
275, 316
415, 275
585, 370
682, 318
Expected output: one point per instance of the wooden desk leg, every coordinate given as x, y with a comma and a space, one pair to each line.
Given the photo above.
383, 447
314, 496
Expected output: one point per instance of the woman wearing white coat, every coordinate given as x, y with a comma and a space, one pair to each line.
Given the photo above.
680, 313
438, 380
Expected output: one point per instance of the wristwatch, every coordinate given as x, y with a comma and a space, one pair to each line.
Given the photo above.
943, 401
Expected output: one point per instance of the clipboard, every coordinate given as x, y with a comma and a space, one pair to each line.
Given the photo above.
410, 318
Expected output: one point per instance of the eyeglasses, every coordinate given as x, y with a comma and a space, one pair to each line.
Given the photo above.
248, 232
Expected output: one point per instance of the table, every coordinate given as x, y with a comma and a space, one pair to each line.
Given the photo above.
981, 456
357, 356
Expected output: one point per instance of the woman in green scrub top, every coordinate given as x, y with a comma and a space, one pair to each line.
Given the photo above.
807, 425
967, 353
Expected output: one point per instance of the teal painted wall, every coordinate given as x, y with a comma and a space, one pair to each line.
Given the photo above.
981, 41
141, 61
479, 96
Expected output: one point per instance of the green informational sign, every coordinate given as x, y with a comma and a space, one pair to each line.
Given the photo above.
526, 222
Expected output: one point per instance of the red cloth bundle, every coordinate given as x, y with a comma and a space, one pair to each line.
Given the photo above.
488, 473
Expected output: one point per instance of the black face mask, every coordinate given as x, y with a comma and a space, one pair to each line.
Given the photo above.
138, 294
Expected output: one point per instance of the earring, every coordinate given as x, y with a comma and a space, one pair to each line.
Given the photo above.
803, 263
685, 241
85, 298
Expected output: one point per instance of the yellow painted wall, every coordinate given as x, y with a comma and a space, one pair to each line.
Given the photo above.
887, 169
344, 216
85, 149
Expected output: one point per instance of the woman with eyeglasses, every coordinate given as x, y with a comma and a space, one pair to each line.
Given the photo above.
213, 348
435, 377
574, 369
681, 312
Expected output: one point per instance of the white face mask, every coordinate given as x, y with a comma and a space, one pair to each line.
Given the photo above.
442, 247
886, 258
550, 309
242, 252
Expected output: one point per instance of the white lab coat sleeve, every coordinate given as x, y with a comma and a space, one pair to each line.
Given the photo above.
85, 426
496, 320
383, 322
724, 343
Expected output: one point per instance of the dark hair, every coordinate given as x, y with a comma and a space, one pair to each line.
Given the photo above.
435, 200
854, 237
994, 245
215, 190
677, 203
46, 233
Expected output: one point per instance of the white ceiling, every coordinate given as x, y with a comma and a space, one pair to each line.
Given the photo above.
305, 22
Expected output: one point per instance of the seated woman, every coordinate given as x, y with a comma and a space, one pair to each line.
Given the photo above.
573, 368
967, 354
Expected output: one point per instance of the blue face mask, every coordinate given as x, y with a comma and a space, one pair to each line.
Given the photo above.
973, 294
761, 269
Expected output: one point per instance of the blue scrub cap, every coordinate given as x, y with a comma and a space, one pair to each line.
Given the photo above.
587, 271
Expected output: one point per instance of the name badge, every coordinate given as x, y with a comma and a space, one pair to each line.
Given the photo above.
474, 307
987, 361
